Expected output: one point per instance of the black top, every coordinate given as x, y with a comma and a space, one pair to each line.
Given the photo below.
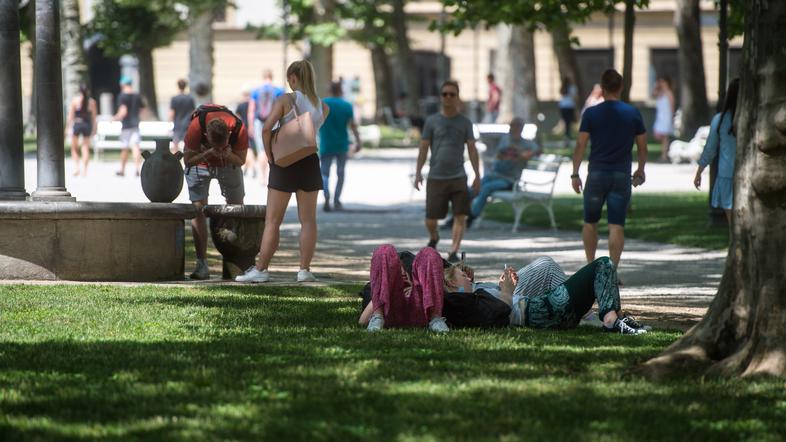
134, 104
183, 105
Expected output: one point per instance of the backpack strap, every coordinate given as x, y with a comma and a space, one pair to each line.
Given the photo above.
201, 113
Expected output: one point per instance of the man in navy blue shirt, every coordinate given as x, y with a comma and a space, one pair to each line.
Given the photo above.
611, 128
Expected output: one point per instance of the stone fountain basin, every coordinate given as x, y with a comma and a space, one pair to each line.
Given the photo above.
236, 231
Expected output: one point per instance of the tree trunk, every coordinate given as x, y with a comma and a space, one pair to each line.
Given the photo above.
382, 79
74, 66
322, 55
627, 56
693, 91
517, 73
405, 59
566, 58
200, 54
744, 330
147, 80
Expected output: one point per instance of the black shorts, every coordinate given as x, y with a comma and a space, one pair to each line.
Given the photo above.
302, 175
83, 128
441, 192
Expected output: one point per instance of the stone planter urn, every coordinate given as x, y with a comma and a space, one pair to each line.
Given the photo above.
236, 231
162, 173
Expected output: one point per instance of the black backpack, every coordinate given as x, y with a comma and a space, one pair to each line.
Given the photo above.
204, 109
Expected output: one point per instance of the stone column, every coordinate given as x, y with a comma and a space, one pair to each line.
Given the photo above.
12, 165
49, 104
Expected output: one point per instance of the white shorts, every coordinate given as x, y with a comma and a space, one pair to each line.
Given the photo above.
129, 137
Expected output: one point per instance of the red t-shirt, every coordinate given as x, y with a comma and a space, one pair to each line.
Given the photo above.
193, 139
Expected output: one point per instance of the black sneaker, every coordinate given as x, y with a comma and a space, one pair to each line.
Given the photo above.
338, 206
624, 329
433, 243
326, 207
447, 225
632, 322
453, 258
470, 220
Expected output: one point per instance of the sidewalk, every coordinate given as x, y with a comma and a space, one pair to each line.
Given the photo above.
665, 284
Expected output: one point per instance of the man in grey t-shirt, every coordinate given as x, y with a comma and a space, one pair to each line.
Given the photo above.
446, 134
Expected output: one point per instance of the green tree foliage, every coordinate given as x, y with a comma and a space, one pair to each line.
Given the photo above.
132, 26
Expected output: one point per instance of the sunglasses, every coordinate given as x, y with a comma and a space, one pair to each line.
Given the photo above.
448, 94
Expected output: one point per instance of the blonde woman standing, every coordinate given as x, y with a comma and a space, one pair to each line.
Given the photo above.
302, 178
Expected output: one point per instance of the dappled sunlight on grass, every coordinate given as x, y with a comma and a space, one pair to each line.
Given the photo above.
281, 363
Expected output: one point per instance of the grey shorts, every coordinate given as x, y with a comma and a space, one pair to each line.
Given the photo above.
130, 137
230, 178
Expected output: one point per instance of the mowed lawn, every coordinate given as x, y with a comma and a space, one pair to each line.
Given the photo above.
290, 363
679, 218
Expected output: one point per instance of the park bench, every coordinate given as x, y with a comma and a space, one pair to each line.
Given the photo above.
690, 151
535, 186
108, 135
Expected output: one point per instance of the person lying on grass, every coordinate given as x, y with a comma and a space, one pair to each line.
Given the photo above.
538, 295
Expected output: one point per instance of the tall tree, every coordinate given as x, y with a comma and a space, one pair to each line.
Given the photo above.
693, 90
137, 27
322, 47
74, 65
517, 73
405, 58
201, 16
744, 331
627, 52
562, 42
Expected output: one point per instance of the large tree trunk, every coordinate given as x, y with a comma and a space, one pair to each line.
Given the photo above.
74, 66
627, 55
693, 91
200, 53
147, 80
566, 58
405, 59
517, 73
382, 79
744, 330
322, 55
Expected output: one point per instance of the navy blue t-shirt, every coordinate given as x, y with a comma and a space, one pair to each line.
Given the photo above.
613, 127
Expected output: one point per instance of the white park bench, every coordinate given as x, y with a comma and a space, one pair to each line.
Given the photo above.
535, 186
108, 135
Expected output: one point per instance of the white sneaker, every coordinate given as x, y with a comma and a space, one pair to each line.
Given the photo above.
304, 275
376, 323
201, 271
438, 325
254, 275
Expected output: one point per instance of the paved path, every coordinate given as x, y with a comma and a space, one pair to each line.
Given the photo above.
665, 284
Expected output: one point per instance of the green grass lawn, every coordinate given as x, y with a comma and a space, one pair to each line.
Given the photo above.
290, 363
674, 218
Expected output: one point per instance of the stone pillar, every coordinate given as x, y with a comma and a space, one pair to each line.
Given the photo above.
12, 165
49, 104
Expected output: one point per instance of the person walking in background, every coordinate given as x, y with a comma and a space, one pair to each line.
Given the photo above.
595, 97
242, 111
260, 106
611, 127
445, 134
303, 178
493, 101
567, 105
663, 128
130, 104
722, 142
334, 143
214, 151
180, 108
82, 112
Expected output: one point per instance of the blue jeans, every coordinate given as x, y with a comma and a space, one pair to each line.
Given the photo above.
488, 185
611, 188
326, 160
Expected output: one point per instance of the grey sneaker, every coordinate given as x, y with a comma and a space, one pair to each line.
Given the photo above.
201, 272
304, 275
438, 325
376, 323
254, 275
624, 329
